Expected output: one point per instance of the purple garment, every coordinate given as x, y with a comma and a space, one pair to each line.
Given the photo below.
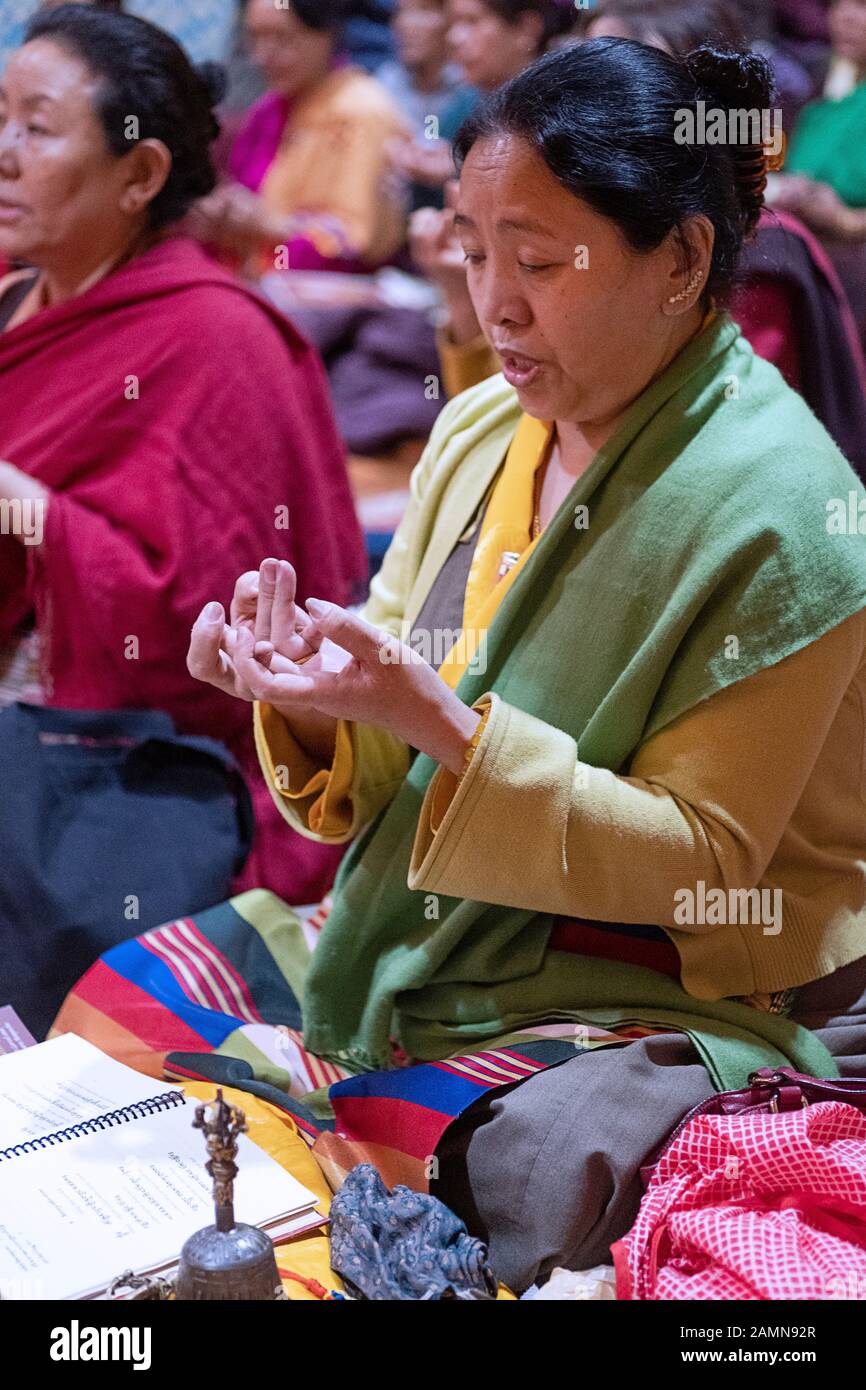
832, 368
379, 361
803, 19
255, 148
849, 262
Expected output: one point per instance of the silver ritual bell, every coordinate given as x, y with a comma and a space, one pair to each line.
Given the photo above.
229, 1260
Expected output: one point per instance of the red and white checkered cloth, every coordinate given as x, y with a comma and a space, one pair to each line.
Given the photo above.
754, 1206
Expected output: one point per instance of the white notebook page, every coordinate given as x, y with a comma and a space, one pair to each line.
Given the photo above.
76, 1215
60, 1083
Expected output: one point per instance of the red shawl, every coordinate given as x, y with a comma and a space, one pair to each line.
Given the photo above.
173, 414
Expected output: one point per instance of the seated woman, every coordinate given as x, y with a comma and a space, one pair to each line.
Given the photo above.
310, 164
824, 181
628, 808
430, 91
161, 424
491, 41
788, 300
827, 144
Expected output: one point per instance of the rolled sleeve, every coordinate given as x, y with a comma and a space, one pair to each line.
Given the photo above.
483, 827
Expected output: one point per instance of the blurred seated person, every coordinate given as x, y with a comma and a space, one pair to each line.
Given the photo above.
802, 29
734, 22
431, 93
421, 80
161, 424
788, 299
826, 149
491, 41
309, 187
824, 180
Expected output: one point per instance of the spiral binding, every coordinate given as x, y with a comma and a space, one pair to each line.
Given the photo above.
140, 1111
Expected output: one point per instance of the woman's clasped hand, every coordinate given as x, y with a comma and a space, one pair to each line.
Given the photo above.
322, 663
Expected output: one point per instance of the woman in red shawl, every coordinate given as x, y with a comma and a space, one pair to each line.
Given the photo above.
160, 426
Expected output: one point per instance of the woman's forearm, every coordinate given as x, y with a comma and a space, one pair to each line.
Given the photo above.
442, 728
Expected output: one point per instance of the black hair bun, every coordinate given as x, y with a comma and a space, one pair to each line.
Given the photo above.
739, 80
731, 76
214, 79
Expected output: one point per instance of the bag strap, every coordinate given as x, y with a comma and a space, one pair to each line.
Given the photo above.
772, 1091
792, 1090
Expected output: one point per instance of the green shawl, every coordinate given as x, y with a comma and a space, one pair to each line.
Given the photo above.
707, 519
828, 145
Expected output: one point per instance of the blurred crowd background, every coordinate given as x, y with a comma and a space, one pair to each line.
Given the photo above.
336, 122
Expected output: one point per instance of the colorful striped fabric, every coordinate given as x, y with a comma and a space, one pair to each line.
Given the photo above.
217, 998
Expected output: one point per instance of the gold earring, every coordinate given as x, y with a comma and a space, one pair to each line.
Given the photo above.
689, 289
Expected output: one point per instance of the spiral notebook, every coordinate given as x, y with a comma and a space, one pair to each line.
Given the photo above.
101, 1172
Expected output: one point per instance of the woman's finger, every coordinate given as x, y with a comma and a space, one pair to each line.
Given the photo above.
229, 647
264, 654
307, 631
283, 617
206, 660
245, 599
265, 606
269, 688
356, 636
267, 656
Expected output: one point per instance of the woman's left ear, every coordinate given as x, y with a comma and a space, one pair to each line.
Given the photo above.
148, 168
690, 262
